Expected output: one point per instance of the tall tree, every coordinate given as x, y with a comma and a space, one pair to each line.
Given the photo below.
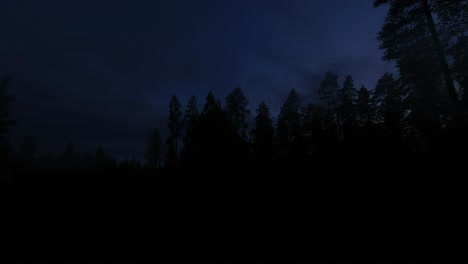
70, 158
237, 112
388, 98
175, 129
154, 152
347, 106
216, 137
319, 130
262, 134
416, 29
212, 105
313, 128
191, 137
288, 129
190, 120
70, 152
364, 107
328, 95
460, 68
102, 161
212, 117
425, 100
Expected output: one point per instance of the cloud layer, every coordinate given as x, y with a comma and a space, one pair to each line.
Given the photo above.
102, 72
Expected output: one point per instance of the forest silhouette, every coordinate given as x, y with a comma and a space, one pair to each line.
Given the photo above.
394, 135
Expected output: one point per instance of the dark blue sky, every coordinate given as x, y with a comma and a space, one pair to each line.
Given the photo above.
102, 72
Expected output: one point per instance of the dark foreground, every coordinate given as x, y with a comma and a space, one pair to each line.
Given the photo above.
397, 210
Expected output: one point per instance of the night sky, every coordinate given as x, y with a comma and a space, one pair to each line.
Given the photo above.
102, 72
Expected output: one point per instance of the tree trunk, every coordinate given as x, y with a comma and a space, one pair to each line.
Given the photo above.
452, 92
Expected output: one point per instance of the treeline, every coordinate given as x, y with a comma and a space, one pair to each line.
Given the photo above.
419, 116
338, 163
346, 125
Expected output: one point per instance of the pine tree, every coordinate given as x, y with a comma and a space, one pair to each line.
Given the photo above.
263, 134
237, 112
70, 159
190, 120
212, 105
364, 107
328, 95
347, 107
460, 68
288, 130
214, 132
191, 135
419, 32
175, 130
313, 128
388, 98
